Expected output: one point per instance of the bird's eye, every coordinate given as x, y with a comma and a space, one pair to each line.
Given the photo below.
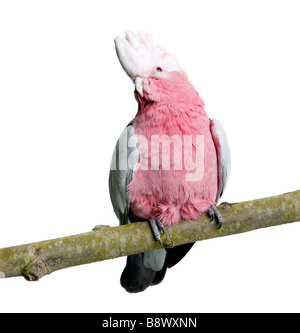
159, 69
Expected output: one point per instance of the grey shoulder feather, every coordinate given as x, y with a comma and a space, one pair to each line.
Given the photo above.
223, 155
124, 160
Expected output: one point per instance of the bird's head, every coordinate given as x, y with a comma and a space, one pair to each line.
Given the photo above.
156, 74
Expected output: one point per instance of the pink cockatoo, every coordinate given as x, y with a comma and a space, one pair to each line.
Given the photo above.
171, 163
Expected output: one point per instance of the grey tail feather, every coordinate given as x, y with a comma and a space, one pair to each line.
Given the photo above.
136, 277
175, 254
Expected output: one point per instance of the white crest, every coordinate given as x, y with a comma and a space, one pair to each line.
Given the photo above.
140, 57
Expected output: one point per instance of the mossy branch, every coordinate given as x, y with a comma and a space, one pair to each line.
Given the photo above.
35, 260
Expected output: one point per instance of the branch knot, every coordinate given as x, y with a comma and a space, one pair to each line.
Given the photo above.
36, 269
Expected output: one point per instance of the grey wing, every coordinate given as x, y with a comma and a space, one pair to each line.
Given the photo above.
124, 160
223, 155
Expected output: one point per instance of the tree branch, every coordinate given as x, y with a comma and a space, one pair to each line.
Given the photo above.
35, 260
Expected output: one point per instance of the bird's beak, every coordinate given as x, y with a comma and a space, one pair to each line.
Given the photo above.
139, 85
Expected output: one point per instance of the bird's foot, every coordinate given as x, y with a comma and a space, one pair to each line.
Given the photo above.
156, 227
214, 214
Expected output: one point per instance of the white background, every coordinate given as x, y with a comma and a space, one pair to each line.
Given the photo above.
64, 100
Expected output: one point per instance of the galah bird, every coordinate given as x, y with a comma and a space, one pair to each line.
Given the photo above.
179, 181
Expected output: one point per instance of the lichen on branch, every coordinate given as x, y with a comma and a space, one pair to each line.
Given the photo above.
35, 260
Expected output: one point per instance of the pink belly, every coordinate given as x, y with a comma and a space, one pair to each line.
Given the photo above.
173, 195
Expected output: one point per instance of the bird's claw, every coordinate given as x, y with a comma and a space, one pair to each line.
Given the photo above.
214, 214
156, 227
160, 226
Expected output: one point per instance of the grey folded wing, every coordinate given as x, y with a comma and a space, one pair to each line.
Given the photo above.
124, 160
223, 155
